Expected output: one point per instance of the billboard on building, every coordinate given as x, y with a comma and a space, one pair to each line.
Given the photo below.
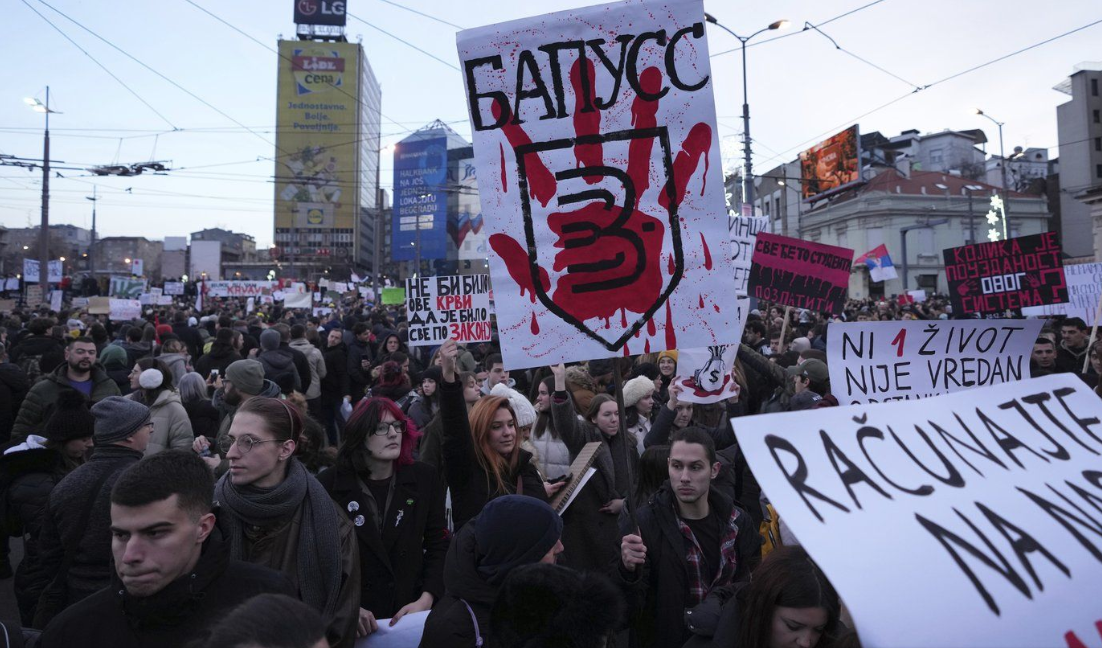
831, 165
320, 12
318, 149
420, 198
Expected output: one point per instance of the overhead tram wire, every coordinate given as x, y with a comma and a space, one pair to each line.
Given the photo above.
421, 13
101, 65
404, 42
940, 81
776, 38
838, 47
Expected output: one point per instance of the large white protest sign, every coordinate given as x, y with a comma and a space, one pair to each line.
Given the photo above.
705, 374
174, 288
30, 271
874, 362
1084, 291
122, 310
969, 520
455, 306
600, 183
744, 231
238, 288
126, 288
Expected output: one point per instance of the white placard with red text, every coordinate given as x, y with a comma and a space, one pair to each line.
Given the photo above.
455, 306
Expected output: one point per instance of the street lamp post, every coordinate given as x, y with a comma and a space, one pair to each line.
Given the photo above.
903, 240
747, 176
44, 235
92, 249
1002, 164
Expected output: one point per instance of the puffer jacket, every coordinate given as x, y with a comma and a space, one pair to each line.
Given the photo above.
171, 424
553, 455
39, 402
317, 365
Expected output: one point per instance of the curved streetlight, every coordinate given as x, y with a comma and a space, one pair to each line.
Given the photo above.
747, 177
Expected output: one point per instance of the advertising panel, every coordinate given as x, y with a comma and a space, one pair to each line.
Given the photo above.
320, 12
831, 165
317, 148
420, 199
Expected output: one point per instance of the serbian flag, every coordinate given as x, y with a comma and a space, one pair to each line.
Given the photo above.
879, 263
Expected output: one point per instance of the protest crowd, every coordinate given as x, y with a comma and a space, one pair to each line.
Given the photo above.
217, 477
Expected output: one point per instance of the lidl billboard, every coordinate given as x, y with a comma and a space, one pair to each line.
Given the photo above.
831, 165
318, 148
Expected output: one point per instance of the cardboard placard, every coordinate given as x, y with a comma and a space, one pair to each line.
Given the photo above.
7, 305
801, 274
1003, 276
455, 306
603, 201
99, 305
393, 296
34, 294
1084, 291
969, 519
744, 233
876, 362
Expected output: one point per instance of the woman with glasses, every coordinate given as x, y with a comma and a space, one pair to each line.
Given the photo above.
481, 451
274, 513
397, 507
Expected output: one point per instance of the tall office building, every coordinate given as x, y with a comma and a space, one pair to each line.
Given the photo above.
1079, 124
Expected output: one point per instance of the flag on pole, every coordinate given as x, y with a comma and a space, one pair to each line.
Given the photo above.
879, 263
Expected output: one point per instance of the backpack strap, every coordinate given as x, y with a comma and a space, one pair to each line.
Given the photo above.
474, 620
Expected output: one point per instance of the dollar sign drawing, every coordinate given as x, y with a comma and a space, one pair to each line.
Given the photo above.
710, 376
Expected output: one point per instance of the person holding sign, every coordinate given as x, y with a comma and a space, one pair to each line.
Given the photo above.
482, 455
691, 541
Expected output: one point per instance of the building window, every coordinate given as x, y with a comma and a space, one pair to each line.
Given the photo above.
1097, 117
936, 157
1094, 87
1098, 170
1098, 143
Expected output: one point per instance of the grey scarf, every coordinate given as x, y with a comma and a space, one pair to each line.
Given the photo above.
319, 544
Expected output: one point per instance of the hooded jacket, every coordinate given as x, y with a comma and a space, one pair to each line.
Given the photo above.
177, 364
316, 362
187, 609
171, 424
335, 386
39, 402
277, 363
13, 389
51, 350
220, 357
449, 625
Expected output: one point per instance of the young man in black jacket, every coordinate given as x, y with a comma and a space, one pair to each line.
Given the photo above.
691, 541
173, 577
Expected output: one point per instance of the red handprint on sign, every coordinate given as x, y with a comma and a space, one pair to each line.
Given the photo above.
609, 246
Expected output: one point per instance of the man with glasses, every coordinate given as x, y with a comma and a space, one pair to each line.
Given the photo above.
75, 540
79, 372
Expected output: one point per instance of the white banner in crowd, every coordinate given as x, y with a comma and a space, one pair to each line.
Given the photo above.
238, 288
30, 271
456, 306
1084, 291
744, 232
705, 374
297, 297
971, 519
12, 283
601, 184
122, 310
174, 288
874, 362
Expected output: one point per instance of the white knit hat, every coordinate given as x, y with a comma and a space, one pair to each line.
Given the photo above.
637, 389
522, 409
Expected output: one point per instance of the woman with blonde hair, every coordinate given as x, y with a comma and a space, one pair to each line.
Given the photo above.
482, 454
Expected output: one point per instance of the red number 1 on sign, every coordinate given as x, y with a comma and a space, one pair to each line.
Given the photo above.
898, 342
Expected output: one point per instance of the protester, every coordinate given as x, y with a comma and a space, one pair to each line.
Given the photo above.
551, 606
302, 364
427, 401
201, 414
482, 454
277, 515
135, 346
788, 602
432, 437
30, 470
510, 532
13, 389
316, 362
359, 360
397, 507
184, 330
278, 363
244, 381
75, 542
174, 354
173, 578
268, 621
1074, 336
690, 541
1043, 360
153, 388
551, 452
224, 351
78, 372
495, 373
335, 385
638, 397
39, 353
113, 359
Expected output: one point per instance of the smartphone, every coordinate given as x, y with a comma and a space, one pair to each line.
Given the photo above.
213, 373
561, 478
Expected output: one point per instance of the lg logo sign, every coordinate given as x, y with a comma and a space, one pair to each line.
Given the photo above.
325, 12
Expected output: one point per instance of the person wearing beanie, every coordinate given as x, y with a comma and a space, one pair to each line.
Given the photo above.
243, 381
638, 405
278, 363
667, 369
525, 416
187, 333
224, 351
551, 606
800, 344
426, 401
33, 468
510, 532
76, 521
113, 358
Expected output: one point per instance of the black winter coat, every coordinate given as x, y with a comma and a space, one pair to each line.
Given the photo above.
279, 367
50, 348
204, 418
189, 336
187, 609
90, 569
407, 558
470, 485
13, 388
449, 624
335, 385
220, 357
302, 367
657, 591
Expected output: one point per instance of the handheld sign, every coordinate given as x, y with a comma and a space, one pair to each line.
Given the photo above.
875, 362
393, 296
706, 373
801, 274
970, 519
599, 174
1003, 276
1084, 292
744, 233
455, 306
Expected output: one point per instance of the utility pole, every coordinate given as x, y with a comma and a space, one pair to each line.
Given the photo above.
44, 235
92, 249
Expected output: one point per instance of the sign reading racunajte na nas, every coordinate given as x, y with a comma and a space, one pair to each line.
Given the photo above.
970, 519
1006, 275
599, 170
